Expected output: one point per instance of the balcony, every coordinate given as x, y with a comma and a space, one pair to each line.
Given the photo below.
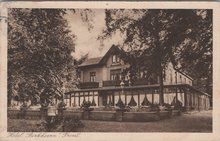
141, 81
113, 83
89, 85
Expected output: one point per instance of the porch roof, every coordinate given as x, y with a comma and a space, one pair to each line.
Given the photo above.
137, 87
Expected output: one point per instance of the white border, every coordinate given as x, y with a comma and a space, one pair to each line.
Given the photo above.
102, 5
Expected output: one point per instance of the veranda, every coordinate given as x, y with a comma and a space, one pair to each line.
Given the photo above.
137, 96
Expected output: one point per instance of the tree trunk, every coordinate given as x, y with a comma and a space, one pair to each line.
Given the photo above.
159, 56
161, 96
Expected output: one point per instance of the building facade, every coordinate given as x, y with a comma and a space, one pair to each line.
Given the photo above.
103, 82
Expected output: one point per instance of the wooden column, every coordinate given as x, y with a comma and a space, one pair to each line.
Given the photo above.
98, 98
79, 98
176, 86
190, 100
138, 98
180, 91
113, 98
88, 96
185, 97
152, 97
194, 100
198, 103
74, 99
70, 99
125, 98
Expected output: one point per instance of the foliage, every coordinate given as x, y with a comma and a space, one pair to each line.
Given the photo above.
72, 124
120, 104
54, 124
155, 37
62, 104
39, 54
24, 105
154, 107
178, 105
168, 107
44, 104
86, 105
196, 56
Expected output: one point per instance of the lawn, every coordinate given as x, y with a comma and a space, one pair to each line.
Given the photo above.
188, 122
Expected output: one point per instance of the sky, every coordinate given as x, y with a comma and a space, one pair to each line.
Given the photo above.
86, 40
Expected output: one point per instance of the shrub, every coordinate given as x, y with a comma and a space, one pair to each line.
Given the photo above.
86, 106
23, 110
178, 105
61, 104
154, 107
168, 107
120, 104
59, 124
44, 105
72, 124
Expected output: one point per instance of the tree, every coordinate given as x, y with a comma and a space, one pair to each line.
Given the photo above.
196, 55
39, 52
153, 37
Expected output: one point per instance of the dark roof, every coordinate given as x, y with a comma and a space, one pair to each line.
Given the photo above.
188, 76
91, 61
101, 60
138, 87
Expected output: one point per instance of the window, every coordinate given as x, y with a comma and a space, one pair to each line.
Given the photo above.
141, 74
171, 76
92, 76
115, 59
190, 82
115, 74
164, 75
180, 78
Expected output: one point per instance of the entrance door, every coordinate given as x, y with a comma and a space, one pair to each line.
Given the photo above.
104, 98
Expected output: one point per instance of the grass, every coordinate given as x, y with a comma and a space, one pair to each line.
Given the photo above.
22, 125
188, 122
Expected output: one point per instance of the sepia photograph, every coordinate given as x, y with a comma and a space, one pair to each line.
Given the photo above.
109, 70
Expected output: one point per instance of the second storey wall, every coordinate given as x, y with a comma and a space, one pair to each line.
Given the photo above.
103, 74
85, 74
173, 77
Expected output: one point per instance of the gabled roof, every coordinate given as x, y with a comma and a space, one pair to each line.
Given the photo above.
101, 60
185, 74
91, 61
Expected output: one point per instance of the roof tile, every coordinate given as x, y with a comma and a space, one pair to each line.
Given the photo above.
91, 61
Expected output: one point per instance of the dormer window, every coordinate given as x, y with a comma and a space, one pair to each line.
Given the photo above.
115, 59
